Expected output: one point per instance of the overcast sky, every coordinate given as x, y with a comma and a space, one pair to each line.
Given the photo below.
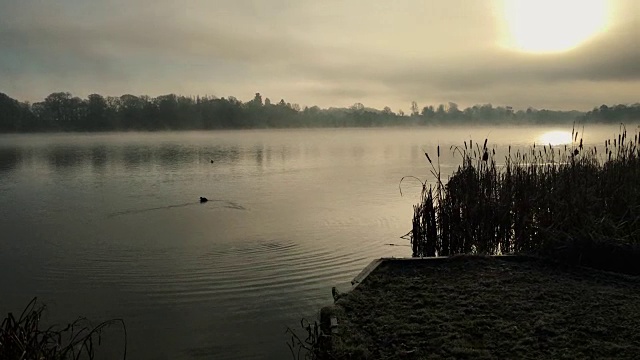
311, 52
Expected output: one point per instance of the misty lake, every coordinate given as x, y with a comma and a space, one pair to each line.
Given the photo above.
110, 226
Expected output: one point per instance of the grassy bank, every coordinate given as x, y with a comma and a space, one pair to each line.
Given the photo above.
569, 202
470, 307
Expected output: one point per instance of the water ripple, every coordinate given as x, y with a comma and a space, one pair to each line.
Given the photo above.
267, 270
224, 203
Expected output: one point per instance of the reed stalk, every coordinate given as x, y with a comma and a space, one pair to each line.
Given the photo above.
569, 202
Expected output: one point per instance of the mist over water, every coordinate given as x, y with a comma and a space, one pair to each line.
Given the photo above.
110, 226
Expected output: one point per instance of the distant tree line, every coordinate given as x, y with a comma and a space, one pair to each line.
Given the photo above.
61, 111
614, 114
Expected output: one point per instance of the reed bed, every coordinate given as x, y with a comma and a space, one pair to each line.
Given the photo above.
25, 338
569, 202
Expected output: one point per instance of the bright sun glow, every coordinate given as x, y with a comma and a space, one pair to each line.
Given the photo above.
555, 138
548, 26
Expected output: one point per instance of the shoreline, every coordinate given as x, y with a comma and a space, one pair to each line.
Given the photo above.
484, 307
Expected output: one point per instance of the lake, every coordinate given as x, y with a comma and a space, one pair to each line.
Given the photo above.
110, 226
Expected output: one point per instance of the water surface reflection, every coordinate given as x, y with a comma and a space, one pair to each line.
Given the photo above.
109, 225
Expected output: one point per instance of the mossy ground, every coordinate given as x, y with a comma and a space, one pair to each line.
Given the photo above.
470, 307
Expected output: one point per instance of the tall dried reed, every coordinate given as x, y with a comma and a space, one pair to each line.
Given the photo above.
569, 202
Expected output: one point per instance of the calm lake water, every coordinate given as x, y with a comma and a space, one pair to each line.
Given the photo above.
110, 226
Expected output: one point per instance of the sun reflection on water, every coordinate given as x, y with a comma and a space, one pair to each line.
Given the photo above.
556, 137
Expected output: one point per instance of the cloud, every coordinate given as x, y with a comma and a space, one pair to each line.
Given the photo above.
609, 59
327, 53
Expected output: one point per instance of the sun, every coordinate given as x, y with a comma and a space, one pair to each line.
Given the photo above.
552, 26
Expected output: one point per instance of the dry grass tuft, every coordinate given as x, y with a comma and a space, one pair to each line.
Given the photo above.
23, 338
